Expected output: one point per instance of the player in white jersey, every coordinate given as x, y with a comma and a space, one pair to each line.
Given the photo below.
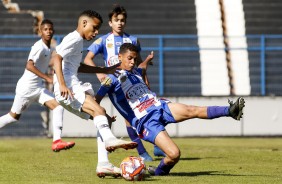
148, 114
75, 96
30, 87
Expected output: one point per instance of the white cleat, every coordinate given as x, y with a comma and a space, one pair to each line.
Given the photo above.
113, 144
108, 170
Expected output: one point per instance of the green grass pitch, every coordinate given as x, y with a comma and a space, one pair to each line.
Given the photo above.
203, 160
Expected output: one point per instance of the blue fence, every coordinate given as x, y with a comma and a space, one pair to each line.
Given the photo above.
162, 44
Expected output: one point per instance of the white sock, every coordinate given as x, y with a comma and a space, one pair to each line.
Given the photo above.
6, 119
57, 122
102, 152
101, 122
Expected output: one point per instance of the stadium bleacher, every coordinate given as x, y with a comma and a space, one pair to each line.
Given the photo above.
264, 17
168, 17
16, 23
182, 70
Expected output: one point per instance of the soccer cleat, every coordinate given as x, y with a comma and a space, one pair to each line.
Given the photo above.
152, 170
236, 109
146, 157
59, 145
113, 144
158, 152
107, 170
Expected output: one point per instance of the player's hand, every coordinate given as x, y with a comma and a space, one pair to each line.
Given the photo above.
66, 93
101, 76
49, 79
113, 118
147, 61
149, 58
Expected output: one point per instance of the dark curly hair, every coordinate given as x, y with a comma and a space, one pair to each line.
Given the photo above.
46, 21
91, 14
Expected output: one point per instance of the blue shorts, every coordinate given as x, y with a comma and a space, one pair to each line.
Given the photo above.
149, 126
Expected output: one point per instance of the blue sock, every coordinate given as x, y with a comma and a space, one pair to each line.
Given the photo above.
217, 111
163, 169
134, 137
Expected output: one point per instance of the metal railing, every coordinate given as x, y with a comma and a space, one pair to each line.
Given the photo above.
161, 44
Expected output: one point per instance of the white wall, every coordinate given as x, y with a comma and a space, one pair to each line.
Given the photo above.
235, 24
214, 73
262, 117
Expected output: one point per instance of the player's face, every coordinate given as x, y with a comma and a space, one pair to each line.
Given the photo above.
128, 60
47, 32
117, 24
91, 27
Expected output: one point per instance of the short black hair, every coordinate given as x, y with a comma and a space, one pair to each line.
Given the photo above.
91, 14
127, 46
46, 21
117, 9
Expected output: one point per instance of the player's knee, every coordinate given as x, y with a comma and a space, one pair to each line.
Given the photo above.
174, 155
191, 111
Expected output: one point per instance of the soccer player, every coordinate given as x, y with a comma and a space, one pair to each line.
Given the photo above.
108, 45
30, 89
72, 94
148, 114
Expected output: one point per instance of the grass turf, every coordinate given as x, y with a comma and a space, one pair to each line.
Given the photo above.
203, 160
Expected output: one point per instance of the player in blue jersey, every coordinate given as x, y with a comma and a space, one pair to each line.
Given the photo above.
148, 114
108, 45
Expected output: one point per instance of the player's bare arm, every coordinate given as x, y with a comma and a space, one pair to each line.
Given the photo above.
98, 98
144, 66
147, 61
89, 60
84, 68
31, 67
65, 92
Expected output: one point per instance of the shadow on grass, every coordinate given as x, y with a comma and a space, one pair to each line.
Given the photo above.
160, 158
147, 178
204, 173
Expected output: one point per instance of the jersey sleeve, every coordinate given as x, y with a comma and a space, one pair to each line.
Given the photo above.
96, 47
67, 47
35, 53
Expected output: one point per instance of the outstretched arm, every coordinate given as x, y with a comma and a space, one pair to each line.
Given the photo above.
89, 60
144, 66
84, 68
147, 61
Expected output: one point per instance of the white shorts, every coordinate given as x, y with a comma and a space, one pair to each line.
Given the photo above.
22, 102
74, 105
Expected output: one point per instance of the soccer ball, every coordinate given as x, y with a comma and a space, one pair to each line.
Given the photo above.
133, 168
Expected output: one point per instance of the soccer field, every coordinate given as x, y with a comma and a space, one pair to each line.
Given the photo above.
203, 160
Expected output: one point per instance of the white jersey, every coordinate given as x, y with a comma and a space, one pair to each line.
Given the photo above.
71, 50
40, 54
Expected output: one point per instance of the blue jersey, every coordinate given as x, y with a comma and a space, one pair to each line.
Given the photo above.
129, 94
109, 45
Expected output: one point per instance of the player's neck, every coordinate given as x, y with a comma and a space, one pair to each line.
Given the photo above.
47, 42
